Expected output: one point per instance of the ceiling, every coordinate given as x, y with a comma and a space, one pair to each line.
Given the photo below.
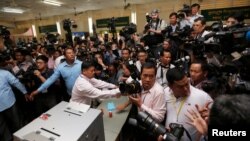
36, 9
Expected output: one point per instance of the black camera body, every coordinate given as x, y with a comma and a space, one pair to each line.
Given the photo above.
4, 32
128, 30
67, 24
132, 88
176, 130
186, 10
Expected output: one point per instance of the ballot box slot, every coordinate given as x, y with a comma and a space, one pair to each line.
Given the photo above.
46, 130
72, 113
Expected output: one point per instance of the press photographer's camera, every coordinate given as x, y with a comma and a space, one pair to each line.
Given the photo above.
176, 130
132, 88
186, 10
4, 32
128, 30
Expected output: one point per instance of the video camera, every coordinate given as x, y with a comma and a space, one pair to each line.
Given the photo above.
186, 10
132, 88
128, 30
4, 32
147, 122
111, 25
67, 24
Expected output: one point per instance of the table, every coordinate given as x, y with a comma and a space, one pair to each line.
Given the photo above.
113, 125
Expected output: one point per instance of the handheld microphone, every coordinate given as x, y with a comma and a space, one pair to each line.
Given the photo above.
186, 58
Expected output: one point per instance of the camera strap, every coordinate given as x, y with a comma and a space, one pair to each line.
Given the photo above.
188, 135
158, 23
162, 75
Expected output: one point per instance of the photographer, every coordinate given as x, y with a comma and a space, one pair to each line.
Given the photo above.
142, 56
199, 29
151, 98
153, 35
87, 87
173, 22
20, 64
194, 13
163, 67
181, 96
198, 73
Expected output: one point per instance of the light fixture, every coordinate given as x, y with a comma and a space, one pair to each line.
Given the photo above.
133, 17
51, 2
90, 22
12, 10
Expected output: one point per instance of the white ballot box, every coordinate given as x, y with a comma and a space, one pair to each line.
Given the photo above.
64, 122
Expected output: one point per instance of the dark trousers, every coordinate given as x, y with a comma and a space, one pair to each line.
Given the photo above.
5, 134
10, 120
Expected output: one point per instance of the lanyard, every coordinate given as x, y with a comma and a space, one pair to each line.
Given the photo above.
180, 107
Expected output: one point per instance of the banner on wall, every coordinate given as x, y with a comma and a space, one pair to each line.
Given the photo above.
119, 21
223, 13
48, 28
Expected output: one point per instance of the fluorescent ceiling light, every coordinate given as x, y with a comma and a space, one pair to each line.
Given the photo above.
55, 3
12, 10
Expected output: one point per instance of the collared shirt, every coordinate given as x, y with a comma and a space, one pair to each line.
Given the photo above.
7, 97
22, 66
161, 74
138, 65
193, 17
153, 102
177, 108
58, 61
69, 74
85, 89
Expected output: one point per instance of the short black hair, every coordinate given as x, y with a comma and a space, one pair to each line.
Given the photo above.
230, 111
129, 51
239, 16
68, 48
20, 50
202, 19
87, 64
148, 65
165, 50
142, 51
173, 14
175, 74
203, 63
195, 4
42, 57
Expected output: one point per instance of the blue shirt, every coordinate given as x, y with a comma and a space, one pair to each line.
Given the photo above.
69, 74
7, 97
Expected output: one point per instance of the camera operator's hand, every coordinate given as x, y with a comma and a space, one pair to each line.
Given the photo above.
136, 100
27, 97
197, 121
123, 78
32, 95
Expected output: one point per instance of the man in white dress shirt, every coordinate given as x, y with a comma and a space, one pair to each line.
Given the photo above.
180, 97
87, 87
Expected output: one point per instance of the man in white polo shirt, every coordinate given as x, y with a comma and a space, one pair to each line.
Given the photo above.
181, 96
